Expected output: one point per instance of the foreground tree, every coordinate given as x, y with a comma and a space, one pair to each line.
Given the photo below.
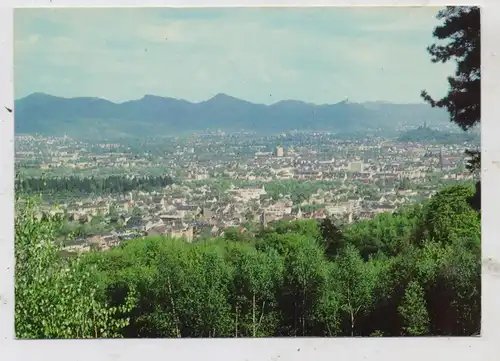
357, 280
413, 310
332, 238
461, 29
449, 217
257, 278
56, 297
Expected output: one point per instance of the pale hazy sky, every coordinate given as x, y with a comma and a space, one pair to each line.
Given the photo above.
319, 55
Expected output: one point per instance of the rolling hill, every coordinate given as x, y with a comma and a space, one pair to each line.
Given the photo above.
153, 115
429, 135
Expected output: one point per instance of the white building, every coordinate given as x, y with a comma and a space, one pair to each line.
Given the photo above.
248, 193
356, 167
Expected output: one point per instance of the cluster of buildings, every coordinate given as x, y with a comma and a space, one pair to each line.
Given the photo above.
198, 212
350, 180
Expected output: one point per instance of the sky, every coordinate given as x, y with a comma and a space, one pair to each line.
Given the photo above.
263, 55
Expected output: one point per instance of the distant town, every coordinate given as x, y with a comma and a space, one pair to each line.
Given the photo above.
219, 181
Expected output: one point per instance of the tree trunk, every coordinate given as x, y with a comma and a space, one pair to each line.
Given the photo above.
236, 326
176, 319
295, 316
261, 314
303, 310
352, 324
328, 329
95, 327
351, 311
253, 314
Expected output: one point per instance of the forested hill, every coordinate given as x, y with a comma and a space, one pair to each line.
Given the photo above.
414, 272
426, 134
154, 115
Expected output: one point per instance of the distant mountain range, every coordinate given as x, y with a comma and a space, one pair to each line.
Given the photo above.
156, 116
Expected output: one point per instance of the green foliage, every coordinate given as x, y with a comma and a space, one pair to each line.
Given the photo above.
332, 237
327, 313
257, 278
356, 279
414, 311
456, 289
56, 298
387, 233
307, 228
235, 234
305, 275
448, 216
